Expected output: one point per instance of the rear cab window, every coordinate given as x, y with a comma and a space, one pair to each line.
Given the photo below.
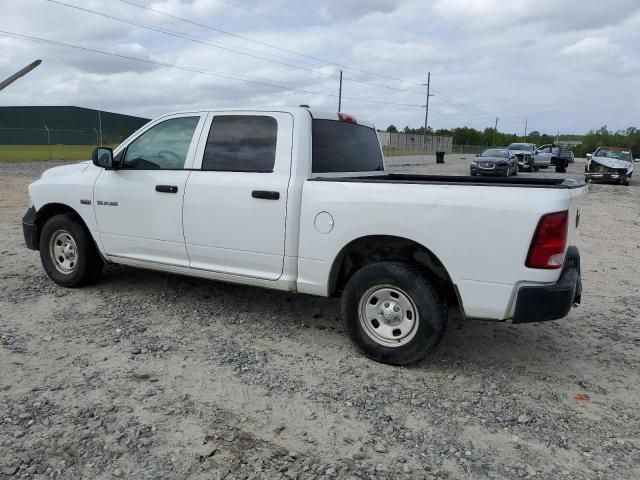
339, 146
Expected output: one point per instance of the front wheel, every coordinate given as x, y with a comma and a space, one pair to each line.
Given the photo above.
68, 253
393, 313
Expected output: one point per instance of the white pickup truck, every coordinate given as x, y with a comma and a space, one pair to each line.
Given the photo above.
295, 200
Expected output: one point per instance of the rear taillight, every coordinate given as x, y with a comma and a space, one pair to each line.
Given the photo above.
345, 117
549, 242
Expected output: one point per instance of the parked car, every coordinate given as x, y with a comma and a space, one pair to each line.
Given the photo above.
609, 164
552, 153
296, 200
524, 152
494, 161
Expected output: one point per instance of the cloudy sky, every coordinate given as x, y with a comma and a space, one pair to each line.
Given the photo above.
566, 65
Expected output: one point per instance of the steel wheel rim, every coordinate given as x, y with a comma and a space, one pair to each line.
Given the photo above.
63, 252
388, 316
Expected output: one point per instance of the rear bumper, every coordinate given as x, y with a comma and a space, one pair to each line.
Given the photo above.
551, 302
30, 229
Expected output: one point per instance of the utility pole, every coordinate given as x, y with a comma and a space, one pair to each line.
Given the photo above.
495, 130
21, 73
426, 111
525, 128
340, 93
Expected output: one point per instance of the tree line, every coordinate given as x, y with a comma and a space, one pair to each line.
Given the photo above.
629, 138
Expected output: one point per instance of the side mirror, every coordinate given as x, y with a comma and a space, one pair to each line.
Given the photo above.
589, 156
103, 157
477, 154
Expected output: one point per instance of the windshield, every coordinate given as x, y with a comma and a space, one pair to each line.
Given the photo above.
613, 153
494, 152
520, 146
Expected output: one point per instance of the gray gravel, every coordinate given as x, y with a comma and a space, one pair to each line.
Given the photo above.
149, 375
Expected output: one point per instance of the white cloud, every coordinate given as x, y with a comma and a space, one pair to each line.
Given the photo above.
591, 46
507, 58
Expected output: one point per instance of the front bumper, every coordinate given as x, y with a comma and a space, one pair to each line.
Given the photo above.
525, 161
605, 176
497, 170
30, 229
551, 302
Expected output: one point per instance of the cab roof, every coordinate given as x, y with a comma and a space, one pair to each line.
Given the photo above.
316, 114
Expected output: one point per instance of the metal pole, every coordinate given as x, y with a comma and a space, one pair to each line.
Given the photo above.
100, 125
525, 128
340, 93
5, 83
495, 130
48, 140
426, 111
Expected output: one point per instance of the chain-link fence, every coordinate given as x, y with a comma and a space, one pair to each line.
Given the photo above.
462, 148
32, 144
398, 143
60, 132
413, 143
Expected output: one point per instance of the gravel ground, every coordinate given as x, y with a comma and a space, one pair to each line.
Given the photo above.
147, 375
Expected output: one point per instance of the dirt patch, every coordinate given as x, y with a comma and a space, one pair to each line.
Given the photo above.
149, 375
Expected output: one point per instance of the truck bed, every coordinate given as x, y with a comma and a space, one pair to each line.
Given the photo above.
528, 182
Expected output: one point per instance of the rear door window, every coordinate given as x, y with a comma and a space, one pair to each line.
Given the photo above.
241, 143
344, 147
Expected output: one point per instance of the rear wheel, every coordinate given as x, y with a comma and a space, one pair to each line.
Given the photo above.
68, 253
392, 312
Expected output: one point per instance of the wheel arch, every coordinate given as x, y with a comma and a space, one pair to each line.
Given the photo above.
49, 210
373, 248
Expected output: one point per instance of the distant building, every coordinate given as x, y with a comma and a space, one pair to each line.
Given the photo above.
64, 126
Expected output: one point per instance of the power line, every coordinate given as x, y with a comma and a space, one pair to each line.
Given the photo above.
230, 76
309, 32
219, 30
445, 97
204, 42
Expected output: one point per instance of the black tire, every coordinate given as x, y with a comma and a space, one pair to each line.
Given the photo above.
431, 312
87, 263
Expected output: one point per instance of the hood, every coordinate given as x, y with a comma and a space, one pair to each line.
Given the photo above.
66, 169
611, 162
520, 152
